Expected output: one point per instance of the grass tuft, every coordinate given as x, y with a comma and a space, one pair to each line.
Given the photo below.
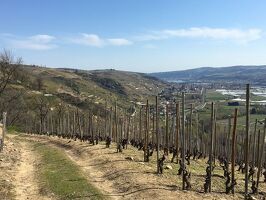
62, 177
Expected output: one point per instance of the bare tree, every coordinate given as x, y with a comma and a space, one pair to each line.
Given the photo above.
42, 108
39, 81
8, 68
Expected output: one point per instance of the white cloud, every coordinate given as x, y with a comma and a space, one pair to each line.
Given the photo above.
35, 42
152, 36
42, 38
119, 41
45, 42
88, 40
237, 35
31, 45
97, 41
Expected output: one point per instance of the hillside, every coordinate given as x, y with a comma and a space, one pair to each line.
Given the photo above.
251, 74
95, 85
90, 91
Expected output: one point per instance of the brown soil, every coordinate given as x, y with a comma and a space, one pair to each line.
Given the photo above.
109, 171
124, 179
18, 171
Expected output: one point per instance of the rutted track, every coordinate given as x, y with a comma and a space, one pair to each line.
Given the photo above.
119, 178
25, 182
19, 165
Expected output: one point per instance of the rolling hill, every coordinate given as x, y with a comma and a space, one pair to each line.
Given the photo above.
251, 74
96, 85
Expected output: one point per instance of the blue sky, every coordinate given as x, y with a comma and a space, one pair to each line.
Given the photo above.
135, 35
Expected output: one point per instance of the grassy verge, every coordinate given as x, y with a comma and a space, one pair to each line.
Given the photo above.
62, 177
216, 96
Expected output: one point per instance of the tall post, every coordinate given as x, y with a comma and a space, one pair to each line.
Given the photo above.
254, 144
68, 123
148, 125
157, 132
233, 150
92, 129
153, 127
228, 138
190, 128
140, 125
167, 129
258, 150
146, 133
116, 127
183, 140
105, 120
111, 124
4, 129
215, 138
74, 125
247, 140
261, 154
177, 128
197, 132
211, 145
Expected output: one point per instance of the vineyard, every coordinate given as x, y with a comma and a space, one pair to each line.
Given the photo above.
158, 150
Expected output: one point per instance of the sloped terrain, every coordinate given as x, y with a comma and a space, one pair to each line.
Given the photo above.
81, 87
242, 74
119, 178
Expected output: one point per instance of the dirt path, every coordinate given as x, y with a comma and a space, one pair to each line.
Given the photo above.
18, 171
117, 177
94, 176
25, 182
123, 179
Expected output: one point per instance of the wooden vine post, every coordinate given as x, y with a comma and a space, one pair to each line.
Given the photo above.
247, 140
215, 138
153, 127
197, 131
190, 128
146, 133
211, 145
111, 123
254, 144
92, 129
157, 132
233, 150
140, 124
261, 154
167, 129
177, 128
148, 127
4, 126
3, 131
183, 140
105, 121
116, 126
228, 138
258, 151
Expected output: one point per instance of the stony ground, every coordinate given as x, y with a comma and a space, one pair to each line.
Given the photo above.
111, 172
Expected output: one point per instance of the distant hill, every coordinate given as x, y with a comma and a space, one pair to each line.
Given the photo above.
251, 74
36, 90
83, 88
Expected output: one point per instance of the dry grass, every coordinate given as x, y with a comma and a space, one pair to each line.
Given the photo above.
120, 178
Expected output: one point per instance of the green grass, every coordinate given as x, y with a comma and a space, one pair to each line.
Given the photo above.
13, 129
216, 96
62, 177
242, 120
